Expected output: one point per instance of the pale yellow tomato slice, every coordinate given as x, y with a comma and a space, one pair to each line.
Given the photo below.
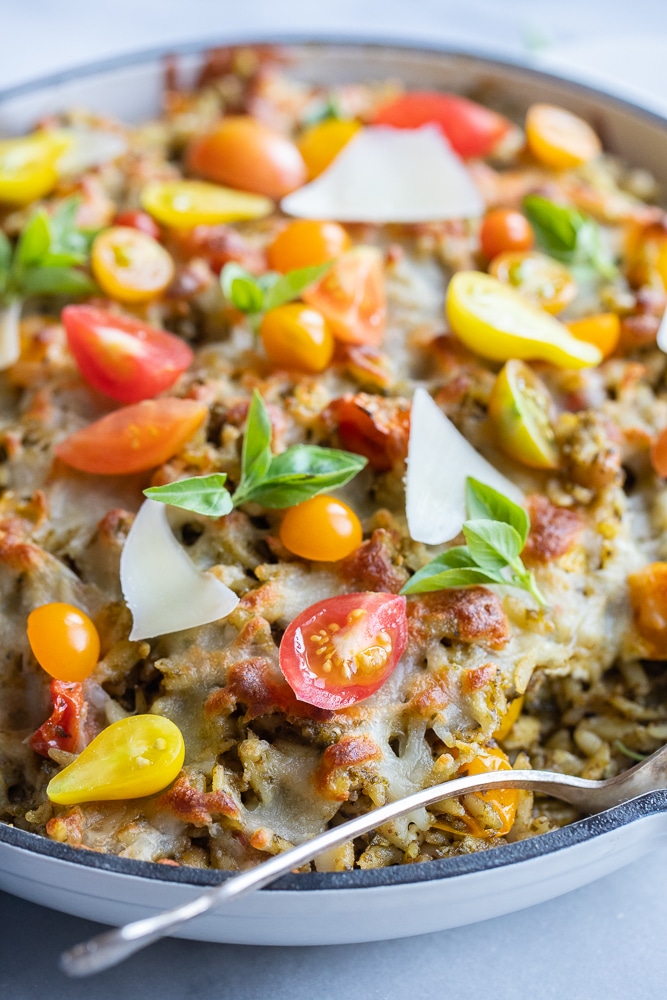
321, 143
186, 204
542, 280
497, 322
519, 410
28, 167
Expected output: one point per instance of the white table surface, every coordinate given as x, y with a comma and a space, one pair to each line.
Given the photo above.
602, 942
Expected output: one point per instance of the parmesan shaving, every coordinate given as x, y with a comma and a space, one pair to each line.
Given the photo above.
86, 148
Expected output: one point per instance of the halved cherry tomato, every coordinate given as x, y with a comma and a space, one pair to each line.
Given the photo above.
133, 757
321, 143
472, 129
519, 410
487, 814
133, 439
603, 330
511, 715
305, 243
322, 529
122, 357
503, 230
28, 167
341, 650
558, 138
645, 256
374, 427
296, 336
138, 220
351, 296
246, 154
186, 204
64, 641
648, 597
130, 266
63, 730
541, 279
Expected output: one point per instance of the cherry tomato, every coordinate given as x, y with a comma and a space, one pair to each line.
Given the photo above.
305, 243
28, 167
648, 597
603, 330
130, 266
322, 529
470, 128
341, 650
186, 204
558, 138
505, 229
122, 357
321, 143
645, 256
659, 454
135, 438
243, 153
511, 715
540, 279
133, 757
63, 730
374, 427
64, 641
296, 336
519, 411
138, 220
487, 814
351, 297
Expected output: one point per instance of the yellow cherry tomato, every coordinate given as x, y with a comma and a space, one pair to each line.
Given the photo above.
323, 529
136, 756
603, 330
509, 718
519, 410
306, 243
64, 641
558, 138
296, 336
541, 279
186, 204
321, 143
497, 322
28, 167
487, 814
129, 265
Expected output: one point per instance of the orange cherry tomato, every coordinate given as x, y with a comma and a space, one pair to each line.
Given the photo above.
321, 143
64, 641
351, 296
135, 438
558, 138
322, 529
306, 243
296, 336
505, 229
129, 265
487, 814
64, 729
341, 650
603, 330
243, 153
648, 597
542, 280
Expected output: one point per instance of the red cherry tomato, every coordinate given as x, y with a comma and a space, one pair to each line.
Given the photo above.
341, 650
133, 439
351, 297
63, 729
139, 220
122, 357
472, 130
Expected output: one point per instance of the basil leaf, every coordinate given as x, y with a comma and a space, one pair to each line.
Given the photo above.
256, 456
5, 252
467, 576
289, 286
201, 494
492, 544
34, 241
241, 288
57, 281
483, 502
567, 234
300, 473
66, 238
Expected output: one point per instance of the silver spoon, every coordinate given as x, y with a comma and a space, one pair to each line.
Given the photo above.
589, 797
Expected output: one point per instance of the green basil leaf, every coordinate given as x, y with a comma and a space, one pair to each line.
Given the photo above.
5, 252
34, 240
483, 502
290, 286
492, 544
256, 456
457, 557
300, 473
67, 239
241, 288
201, 494
62, 258
57, 281
424, 582
567, 234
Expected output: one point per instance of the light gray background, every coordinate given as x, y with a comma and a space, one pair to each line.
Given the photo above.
602, 942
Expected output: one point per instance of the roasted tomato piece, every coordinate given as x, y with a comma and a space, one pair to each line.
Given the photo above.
139, 220
63, 730
124, 358
487, 814
520, 410
219, 245
351, 297
374, 427
133, 439
648, 597
341, 650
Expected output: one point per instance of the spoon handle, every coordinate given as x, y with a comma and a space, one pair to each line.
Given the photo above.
113, 946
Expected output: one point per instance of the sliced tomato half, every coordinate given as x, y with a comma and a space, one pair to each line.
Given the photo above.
341, 650
470, 128
63, 730
122, 357
352, 298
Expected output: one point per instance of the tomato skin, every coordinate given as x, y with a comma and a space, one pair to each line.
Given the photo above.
558, 138
352, 298
321, 143
245, 154
139, 220
130, 266
503, 802
470, 128
323, 529
184, 204
378, 623
603, 330
28, 167
296, 336
505, 229
63, 730
64, 641
519, 411
305, 243
134, 438
122, 357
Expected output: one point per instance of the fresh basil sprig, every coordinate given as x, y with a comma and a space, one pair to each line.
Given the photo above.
568, 235
274, 481
255, 296
495, 532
